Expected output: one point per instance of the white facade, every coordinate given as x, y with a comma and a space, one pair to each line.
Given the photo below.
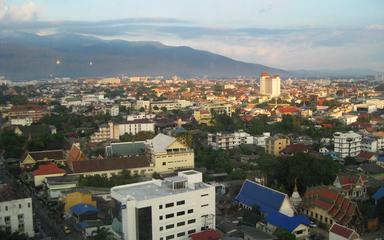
16, 216
27, 121
260, 140
347, 144
270, 85
113, 110
142, 104
230, 140
172, 208
133, 117
136, 126
349, 119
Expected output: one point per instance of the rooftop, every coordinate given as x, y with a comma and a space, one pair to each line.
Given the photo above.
156, 188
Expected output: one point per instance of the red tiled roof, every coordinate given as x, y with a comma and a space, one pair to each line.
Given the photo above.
110, 164
288, 110
341, 230
295, 148
365, 155
47, 169
206, 235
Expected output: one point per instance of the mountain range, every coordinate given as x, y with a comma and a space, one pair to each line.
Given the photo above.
25, 56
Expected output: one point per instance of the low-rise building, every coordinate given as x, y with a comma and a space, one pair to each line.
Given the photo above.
340, 232
44, 171
30, 159
274, 145
229, 140
173, 208
329, 206
347, 144
16, 212
352, 186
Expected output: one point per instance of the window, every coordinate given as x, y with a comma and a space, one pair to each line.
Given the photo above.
204, 195
191, 231
191, 221
6, 208
169, 205
164, 163
180, 213
169, 215
161, 228
170, 237
160, 206
180, 234
19, 206
180, 224
180, 202
170, 226
190, 211
160, 217
204, 205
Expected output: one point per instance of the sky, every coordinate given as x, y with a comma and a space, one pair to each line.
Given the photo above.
289, 34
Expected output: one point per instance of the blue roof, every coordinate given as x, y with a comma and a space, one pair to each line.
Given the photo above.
266, 198
283, 221
81, 208
379, 194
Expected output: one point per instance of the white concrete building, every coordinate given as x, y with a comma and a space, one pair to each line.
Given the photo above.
229, 140
27, 121
260, 139
15, 212
269, 85
347, 144
133, 117
173, 208
112, 131
349, 119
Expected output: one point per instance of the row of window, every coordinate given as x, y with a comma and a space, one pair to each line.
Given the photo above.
20, 206
171, 215
179, 224
168, 205
180, 234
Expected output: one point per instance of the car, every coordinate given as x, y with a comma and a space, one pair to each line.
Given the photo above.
312, 224
67, 230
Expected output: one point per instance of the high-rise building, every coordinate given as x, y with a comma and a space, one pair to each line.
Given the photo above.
269, 85
173, 208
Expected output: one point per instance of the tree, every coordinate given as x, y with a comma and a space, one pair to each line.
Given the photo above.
350, 161
18, 99
12, 144
252, 216
283, 234
309, 170
4, 235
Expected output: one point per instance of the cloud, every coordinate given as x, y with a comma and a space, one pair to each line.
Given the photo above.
289, 48
22, 12
376, 27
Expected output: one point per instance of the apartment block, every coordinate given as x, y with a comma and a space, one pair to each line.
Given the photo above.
347, 144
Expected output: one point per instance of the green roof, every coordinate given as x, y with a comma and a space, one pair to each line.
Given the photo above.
125, 149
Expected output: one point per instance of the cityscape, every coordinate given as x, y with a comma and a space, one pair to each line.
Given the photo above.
158, 120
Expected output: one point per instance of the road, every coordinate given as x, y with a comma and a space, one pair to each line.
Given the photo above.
47, 225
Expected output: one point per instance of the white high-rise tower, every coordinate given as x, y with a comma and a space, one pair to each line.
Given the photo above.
269, 85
